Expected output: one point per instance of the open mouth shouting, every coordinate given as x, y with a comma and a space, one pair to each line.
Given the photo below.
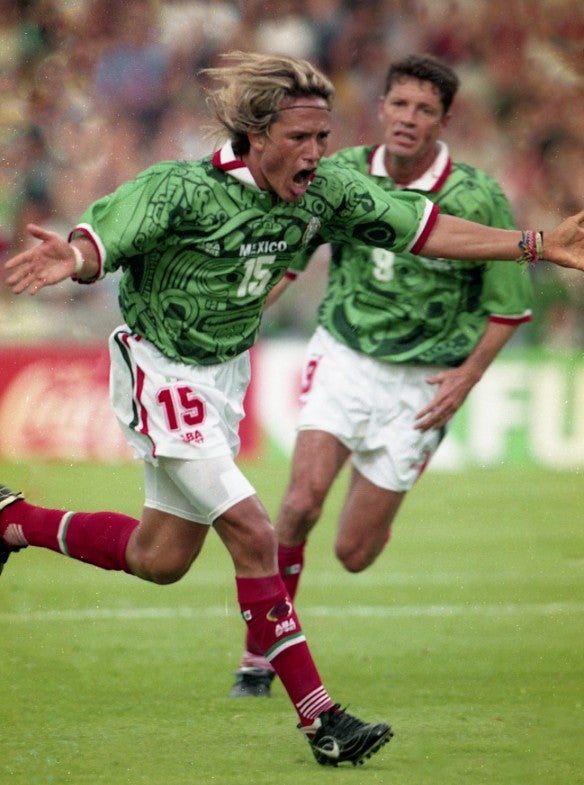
300, 182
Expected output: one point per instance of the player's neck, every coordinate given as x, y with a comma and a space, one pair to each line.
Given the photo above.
404, 170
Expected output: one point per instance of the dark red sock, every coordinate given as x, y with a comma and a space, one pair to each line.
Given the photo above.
99, 538
276, 631
290, 563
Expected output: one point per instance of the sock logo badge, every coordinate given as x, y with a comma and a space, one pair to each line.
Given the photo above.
282, 614
280, 611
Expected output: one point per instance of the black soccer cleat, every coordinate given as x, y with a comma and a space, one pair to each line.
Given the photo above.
336, 736
7, 497
252, 683
5, 552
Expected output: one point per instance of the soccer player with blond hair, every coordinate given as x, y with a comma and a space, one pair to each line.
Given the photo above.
200, 244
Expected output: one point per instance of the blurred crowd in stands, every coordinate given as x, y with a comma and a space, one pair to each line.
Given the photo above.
92, 92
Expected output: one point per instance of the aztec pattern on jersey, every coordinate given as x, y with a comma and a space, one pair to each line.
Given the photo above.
200, 250
399, 307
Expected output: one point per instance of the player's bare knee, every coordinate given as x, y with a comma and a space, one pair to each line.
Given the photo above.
251, 543
162, 569
303, 505
355, 558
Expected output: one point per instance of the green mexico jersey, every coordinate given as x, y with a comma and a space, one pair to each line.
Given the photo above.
200, 245
399, 307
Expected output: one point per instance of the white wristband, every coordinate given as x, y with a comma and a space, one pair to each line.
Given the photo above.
79, 260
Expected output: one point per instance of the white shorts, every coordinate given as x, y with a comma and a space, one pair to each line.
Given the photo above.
370, 407
183, 421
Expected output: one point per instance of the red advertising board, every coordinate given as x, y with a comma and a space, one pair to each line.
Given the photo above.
54, 404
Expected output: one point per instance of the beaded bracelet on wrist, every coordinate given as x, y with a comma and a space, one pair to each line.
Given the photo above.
531, 247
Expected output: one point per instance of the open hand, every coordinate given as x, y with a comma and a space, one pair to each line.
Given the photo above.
50, 262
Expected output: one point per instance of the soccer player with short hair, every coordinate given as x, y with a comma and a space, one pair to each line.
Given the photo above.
200, 245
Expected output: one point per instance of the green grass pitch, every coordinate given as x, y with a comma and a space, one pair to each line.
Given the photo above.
466, 635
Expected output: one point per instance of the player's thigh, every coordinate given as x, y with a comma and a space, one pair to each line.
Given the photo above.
318, 457
163, 546
367, 514
182, 500
215, 492
164, 532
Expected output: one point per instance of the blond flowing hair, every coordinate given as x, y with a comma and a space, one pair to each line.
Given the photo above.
251, 89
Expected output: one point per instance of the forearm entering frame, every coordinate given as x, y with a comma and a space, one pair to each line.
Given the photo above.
456, 238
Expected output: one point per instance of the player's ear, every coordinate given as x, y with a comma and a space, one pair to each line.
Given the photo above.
446, 119
257, 141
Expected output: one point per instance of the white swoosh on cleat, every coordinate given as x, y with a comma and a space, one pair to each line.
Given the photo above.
333, 752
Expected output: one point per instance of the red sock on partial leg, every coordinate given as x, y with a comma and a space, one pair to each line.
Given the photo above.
98, 538
276, 631
290, 564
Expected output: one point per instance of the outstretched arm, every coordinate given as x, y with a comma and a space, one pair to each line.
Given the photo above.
456, 238
52, 261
